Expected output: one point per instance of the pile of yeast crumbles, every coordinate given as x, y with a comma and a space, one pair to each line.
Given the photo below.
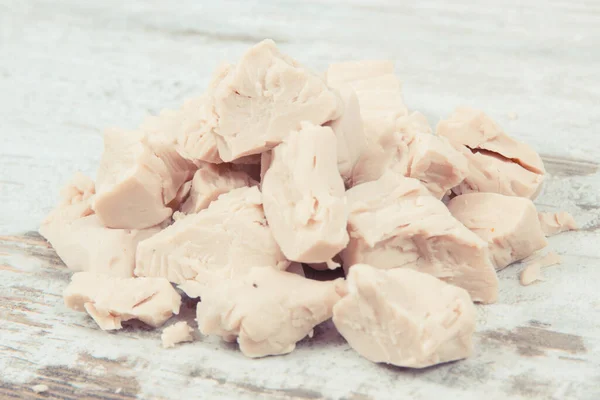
277, 170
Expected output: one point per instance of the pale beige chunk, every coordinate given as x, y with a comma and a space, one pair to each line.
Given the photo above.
195, 139
179, 332
224, 240
266, 311
497, 162
79, 189
436, 164
489, 172
110, 301
82, 242
508, 224
555, 223
394, 222
379, 158
532, 271
303, 196
390, 151
350, 135
411, 125
76, 199
378, 92
410, 150
259, 101
210, 181
185, 125
405, 318
86, 245
40, 388
139, 174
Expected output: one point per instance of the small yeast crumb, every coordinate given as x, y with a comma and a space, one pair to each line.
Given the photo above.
554, 223
176, 333
40, 388
533, 269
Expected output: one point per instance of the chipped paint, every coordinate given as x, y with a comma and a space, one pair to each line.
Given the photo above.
532, 341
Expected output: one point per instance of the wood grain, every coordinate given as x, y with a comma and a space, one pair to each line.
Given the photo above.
525, 343
69, 69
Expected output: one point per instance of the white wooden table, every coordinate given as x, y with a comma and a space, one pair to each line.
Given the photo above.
70, 68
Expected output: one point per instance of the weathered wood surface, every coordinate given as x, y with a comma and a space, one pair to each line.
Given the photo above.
68, 69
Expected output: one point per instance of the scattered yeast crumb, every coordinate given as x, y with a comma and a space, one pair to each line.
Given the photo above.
533, 269
512, 115
40, 388
176, 333
555, 223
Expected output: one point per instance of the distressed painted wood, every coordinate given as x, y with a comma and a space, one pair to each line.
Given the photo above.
68, 69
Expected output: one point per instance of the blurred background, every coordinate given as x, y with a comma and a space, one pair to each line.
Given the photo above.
71, 68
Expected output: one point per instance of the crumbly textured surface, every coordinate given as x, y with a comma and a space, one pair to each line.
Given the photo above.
177, 333
404, 317
508, 224
555, 223
140, 173
266, 311
303, 196
350, 134
378, 91
532, 271
86, 245
394, 222
110, 301
433, 161
82, 241
226, 239
193, 133
264, 97
409, 149
497, 162
210, 181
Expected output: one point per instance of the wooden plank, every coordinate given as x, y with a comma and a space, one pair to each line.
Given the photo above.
90, 65
525, 343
